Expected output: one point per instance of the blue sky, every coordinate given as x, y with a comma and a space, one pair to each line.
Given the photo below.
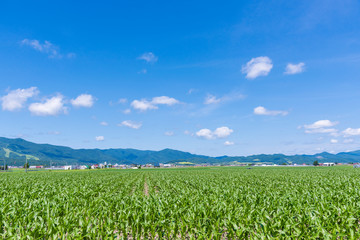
236, 78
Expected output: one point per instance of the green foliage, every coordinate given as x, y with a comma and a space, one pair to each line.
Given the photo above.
193, 203
316, 163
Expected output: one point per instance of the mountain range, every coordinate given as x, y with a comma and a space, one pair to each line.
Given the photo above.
16, 151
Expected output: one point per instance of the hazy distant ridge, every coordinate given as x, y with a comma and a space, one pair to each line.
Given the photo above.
15, 151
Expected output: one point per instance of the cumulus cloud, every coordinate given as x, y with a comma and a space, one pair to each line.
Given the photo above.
205, 133
221, 132
130, 124
16, 99
50, 107
210, 99
83, 100
100, 138
164, 100
334, 141
351, 132
322, 126
263, 111
294, 68
148, 57
228, 143
104, 124
256, 67
46, 47
143, 104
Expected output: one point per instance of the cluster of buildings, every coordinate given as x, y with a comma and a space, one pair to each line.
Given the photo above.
97, 166
115, 166
168, 165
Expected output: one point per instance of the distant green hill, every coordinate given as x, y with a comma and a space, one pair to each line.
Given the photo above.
16, 151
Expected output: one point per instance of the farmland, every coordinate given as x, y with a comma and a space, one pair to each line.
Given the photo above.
186, 203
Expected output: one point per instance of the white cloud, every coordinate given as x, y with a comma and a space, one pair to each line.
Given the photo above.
130, 124
211, 99
169, 133
148, 57
47, 47
83, 100
143, 104
164, 100
263, 111
213, 102
321, 124
205, 133
104, 124
16, 99
228, 143
294, 68
260, 66
99, 138
332, 131
351, 132
334, 141
221, 132
50, 107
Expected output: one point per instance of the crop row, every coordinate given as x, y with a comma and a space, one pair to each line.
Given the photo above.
204, 203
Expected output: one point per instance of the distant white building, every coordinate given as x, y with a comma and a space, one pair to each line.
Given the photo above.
328, 164
68, 167
32, 167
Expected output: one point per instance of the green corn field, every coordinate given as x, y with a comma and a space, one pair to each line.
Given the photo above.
186, 203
